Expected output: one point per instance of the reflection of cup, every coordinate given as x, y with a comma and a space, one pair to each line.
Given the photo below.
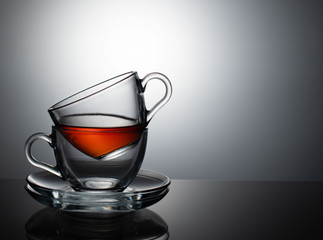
100, 135
50, 223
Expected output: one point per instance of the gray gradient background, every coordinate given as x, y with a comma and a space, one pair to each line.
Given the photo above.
247, 78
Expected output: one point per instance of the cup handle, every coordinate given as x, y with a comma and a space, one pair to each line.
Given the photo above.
33, 160
164, 100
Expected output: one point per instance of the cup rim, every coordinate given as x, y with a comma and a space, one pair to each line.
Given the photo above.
135, 128
69, 100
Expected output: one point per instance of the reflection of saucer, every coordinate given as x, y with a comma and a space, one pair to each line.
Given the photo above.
146, 189
53, 224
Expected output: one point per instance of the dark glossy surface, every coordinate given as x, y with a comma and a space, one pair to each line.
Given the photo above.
198, 209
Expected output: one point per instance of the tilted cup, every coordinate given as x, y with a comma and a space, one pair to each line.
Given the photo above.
99, 138
117, 102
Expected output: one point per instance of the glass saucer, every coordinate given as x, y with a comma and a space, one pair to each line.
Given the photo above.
145, 190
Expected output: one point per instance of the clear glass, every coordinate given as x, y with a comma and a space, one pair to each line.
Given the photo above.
145, 190
100, 135
116, 102
111, 171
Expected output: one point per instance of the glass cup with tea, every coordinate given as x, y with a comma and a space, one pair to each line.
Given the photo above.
99, 135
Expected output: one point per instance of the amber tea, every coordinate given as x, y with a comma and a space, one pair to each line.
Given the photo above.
98, 142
